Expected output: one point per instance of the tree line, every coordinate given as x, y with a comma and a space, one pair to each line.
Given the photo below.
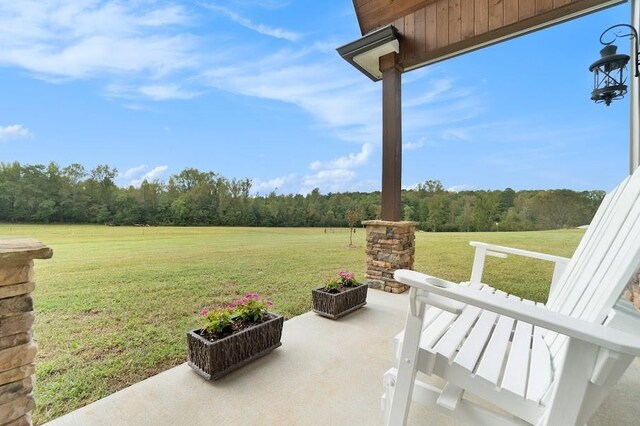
49, 193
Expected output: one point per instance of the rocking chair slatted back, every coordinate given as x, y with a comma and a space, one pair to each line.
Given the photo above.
603, 268
589, 241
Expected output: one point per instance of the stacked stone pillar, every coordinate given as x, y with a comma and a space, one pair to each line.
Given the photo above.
390, 246
17, 348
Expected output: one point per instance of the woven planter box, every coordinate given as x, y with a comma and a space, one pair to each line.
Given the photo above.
335, 305
213, 360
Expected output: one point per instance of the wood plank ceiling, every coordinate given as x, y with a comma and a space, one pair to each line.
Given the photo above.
435, 29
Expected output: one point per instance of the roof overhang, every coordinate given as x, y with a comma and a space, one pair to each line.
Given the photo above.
365, 53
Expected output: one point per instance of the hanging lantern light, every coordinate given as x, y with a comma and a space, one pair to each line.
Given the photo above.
609, 80
609, 75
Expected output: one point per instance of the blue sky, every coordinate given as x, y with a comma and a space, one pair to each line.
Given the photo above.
255, 88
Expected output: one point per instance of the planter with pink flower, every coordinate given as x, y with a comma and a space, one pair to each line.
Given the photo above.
233, 336
339, 296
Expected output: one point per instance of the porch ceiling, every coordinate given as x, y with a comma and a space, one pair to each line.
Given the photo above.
432, 30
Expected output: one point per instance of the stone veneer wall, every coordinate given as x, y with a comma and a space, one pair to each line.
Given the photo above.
17, 348
390, 246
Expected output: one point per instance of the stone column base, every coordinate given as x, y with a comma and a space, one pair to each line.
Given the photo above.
17, 349
390, 246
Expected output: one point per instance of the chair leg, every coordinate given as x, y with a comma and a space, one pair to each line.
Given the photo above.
403, 388
388, 383
572, 385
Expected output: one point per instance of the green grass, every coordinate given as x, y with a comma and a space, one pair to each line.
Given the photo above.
113, 304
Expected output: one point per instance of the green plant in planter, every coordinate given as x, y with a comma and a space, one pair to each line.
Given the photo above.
249, 309
218, 321
233, 335
332, 285
339, 295
343, 279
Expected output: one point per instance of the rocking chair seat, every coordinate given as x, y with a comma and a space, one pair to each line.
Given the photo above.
487, 352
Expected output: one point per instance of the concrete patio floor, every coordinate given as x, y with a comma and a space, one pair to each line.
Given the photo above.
325, 373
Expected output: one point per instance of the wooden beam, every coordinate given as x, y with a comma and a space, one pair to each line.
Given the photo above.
391, 137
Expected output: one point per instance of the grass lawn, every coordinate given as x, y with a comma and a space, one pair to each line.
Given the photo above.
114, 303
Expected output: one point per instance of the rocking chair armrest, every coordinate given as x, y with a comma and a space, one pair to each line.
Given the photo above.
613, 339
520, 252
484, 249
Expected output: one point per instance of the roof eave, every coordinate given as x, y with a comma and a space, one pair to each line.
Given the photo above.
364, 53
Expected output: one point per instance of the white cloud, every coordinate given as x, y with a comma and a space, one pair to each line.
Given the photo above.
338, 174
516, 132
14, 131
259, 28
259, 185
329, 180
156, 172
409, 187
409, 146
155, 92
435, 92
168, 91
135, 107
347, 162
264, 4
61, 40
328, 47
345, 103
136, 175
461, 187
134, 171
439, 115
457, 134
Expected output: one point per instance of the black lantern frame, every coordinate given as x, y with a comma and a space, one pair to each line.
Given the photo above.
609, 81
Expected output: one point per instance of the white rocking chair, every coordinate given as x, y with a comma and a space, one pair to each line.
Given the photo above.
549, 364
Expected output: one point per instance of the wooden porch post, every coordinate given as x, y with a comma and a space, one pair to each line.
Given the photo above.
391, 137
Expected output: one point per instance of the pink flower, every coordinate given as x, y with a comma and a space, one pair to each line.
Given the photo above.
232, 306
269, 303
204, 312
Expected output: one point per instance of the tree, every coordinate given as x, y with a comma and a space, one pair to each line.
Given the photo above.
352, 216
486, 210
506, 199
101, 190
50, 193
431, 186
74, 201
